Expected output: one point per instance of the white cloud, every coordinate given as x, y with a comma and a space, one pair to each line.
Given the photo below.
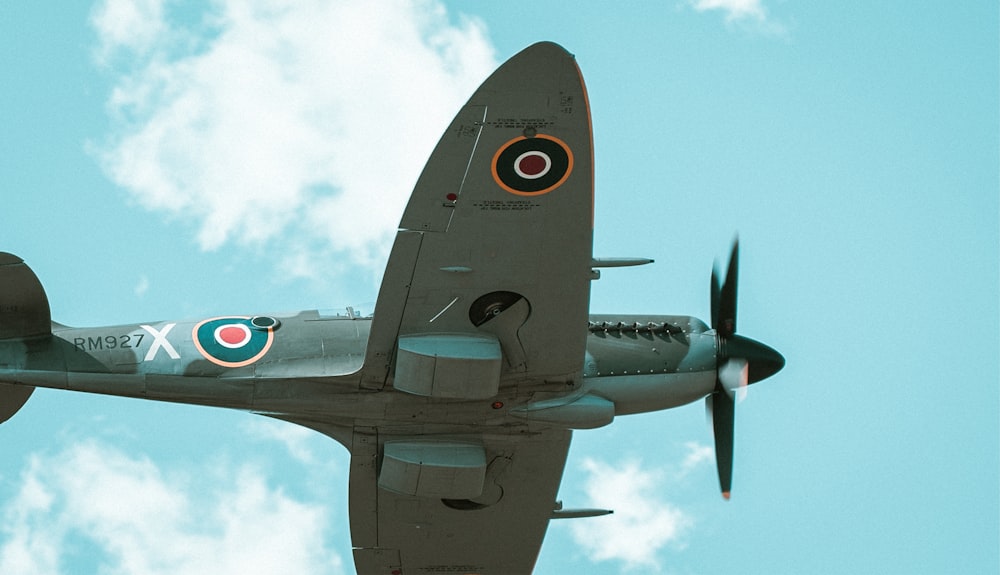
131, 24
296, 125
744, 12
734, 9
642, 523
141, 286
697, 455
142, 520
297, 440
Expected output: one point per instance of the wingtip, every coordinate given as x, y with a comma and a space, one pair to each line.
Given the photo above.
725, 495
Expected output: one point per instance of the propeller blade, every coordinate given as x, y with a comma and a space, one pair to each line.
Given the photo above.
733, 372
722, 410
725, 322
716, 294
740, 361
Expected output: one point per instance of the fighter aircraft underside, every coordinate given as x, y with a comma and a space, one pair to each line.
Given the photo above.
457, 398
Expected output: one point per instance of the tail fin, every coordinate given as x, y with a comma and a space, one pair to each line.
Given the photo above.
24, 309
24, 314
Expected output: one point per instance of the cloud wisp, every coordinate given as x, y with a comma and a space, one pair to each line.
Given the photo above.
294, 126
138, 518
746, 13
643, 522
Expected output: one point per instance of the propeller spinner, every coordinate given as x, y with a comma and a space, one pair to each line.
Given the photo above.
740, 362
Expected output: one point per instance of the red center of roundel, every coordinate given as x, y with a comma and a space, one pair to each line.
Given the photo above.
532, 164
232, 335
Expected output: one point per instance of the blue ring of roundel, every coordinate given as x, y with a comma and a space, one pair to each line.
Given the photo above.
254, 349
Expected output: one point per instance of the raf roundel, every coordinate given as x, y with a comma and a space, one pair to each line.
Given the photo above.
532, 166
232, 341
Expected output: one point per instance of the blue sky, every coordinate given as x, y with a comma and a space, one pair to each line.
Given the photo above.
180, 160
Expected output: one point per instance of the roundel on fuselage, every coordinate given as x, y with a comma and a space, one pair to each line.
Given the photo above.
232, 341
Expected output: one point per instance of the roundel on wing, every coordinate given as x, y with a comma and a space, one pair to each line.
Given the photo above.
532, 166
232, 341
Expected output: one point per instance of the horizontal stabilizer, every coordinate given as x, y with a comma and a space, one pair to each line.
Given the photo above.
24, 309
12, 398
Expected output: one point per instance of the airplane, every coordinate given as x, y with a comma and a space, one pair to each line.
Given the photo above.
458, 396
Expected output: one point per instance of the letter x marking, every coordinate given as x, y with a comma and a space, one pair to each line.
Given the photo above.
160, 340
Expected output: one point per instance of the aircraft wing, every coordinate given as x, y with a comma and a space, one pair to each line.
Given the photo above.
496, 241
485, 299
499, 532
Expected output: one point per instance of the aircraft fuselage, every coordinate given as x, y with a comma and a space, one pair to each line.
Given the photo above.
271, 364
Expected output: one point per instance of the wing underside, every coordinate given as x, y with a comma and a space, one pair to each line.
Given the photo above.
496, 240
485, 297
498, 532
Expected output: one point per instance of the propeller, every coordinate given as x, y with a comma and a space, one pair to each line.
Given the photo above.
740, 361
